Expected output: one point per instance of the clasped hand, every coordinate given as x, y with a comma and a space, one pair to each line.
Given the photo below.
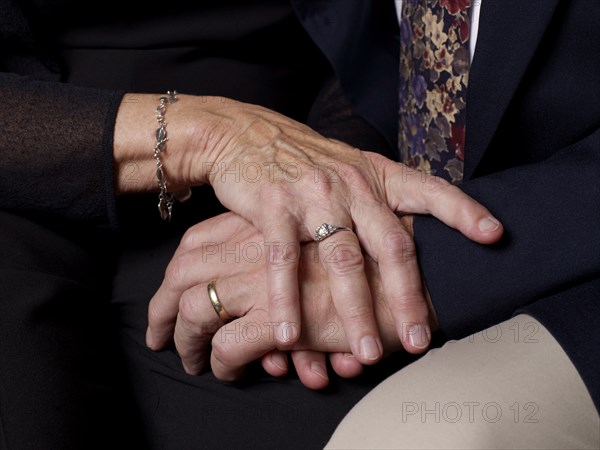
313, 180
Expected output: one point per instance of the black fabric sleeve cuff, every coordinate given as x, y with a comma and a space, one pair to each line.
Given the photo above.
57, 151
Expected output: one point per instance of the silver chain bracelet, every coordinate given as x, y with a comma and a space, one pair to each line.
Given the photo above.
165, 198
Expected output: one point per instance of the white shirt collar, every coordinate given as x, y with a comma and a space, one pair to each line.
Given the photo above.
475, 14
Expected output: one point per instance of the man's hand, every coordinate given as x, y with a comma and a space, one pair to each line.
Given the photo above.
287, 180
229, 249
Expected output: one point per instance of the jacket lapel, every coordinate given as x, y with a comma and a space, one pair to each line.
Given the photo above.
509, 33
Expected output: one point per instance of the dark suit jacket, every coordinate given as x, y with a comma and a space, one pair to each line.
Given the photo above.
532, 154
532, 157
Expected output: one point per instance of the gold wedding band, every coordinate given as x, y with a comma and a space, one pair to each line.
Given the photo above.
214, 301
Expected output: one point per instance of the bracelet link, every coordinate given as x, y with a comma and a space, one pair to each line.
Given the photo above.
165, 198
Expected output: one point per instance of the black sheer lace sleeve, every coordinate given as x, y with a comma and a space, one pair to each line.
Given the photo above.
55, 139
56, 150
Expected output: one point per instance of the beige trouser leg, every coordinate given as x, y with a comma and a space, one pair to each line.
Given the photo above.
509, 387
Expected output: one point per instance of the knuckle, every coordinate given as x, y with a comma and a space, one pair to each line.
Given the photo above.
189, 240
411, 300
399, 245
346, 259
322, 183
275, 195
350, 171
355, 178
280, 300
177, 270
468, 208
189, 307
409, 303
359, 313
221, 353
435, 186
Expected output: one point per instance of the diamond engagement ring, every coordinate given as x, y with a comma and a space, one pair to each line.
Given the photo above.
326, 230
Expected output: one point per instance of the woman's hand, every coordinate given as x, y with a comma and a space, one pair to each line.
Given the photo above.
287, 180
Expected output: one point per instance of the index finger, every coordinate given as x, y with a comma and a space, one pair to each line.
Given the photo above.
196, 260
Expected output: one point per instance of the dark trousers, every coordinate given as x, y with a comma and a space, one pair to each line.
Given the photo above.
75, 373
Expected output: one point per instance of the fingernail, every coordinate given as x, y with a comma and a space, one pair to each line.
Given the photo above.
319, 369
369, 349
279, 361
419, 336
349, 355
287, 332
488, 225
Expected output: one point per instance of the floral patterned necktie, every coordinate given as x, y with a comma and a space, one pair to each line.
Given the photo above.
434, 75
